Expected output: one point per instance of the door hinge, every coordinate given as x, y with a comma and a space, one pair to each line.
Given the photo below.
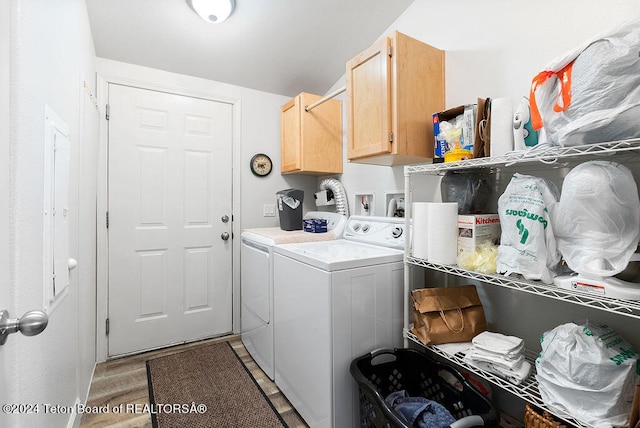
108, 110
390, 51
391, 137
107, 219
107, 326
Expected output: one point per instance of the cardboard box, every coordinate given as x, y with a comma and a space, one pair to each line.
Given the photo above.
475, 229
464, 145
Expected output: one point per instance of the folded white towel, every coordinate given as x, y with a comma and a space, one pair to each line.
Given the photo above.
500, 344
497, 360
511, 356
516, 353
516, 376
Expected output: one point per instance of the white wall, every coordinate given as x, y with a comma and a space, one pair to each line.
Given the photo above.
52, 54
494, 49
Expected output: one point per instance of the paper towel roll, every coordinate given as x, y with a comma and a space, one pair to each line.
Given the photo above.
443, 233
501, 126
435, 231
419, 237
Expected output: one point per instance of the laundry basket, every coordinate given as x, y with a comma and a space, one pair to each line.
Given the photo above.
382, 372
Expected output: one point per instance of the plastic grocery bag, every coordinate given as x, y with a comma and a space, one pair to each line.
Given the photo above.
589, 371
591, 94
527, 242
598, 221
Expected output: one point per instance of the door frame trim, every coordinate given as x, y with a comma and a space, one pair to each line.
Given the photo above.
102, 250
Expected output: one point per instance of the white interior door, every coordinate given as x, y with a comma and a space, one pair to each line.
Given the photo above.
169, 191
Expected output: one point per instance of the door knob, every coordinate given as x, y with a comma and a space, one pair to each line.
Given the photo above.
225, 219
31, 324
224, 236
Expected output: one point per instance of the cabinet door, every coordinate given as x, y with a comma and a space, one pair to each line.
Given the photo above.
321, 135
369, 102
290, 136
311, 141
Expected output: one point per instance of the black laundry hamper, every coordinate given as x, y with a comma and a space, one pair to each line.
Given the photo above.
384, 371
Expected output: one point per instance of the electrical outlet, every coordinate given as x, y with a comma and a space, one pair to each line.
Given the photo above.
269, 210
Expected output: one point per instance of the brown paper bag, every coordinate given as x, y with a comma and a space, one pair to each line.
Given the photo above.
445, 315
482, 142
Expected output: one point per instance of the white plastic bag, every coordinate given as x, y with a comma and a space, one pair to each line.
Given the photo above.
527, 242
598, 221
591, 94
588, 371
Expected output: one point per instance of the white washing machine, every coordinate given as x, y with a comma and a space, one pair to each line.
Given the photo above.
256, 282
335, 301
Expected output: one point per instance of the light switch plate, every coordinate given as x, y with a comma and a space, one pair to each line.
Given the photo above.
269, 210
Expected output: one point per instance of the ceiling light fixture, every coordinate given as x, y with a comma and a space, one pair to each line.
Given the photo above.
214, 11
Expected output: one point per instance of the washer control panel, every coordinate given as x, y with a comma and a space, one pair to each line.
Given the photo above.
383, 231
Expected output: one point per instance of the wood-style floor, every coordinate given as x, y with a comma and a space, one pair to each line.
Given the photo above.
124, 381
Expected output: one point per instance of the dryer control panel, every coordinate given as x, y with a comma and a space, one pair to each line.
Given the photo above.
382, 231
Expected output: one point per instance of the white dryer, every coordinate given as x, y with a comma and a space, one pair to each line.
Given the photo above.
256, 282
335, 301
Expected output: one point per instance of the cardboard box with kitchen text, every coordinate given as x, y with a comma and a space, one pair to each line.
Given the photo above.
476, 229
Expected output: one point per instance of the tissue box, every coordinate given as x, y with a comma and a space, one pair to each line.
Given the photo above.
475, 229
315, 225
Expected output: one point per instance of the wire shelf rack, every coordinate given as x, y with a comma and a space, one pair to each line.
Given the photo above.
546, 154
528, 390
628, 308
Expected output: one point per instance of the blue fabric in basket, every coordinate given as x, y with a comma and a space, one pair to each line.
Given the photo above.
419, 411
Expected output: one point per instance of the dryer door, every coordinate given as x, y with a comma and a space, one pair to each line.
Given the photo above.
256, 279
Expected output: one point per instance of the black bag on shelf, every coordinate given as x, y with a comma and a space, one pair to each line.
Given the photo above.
472, 190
